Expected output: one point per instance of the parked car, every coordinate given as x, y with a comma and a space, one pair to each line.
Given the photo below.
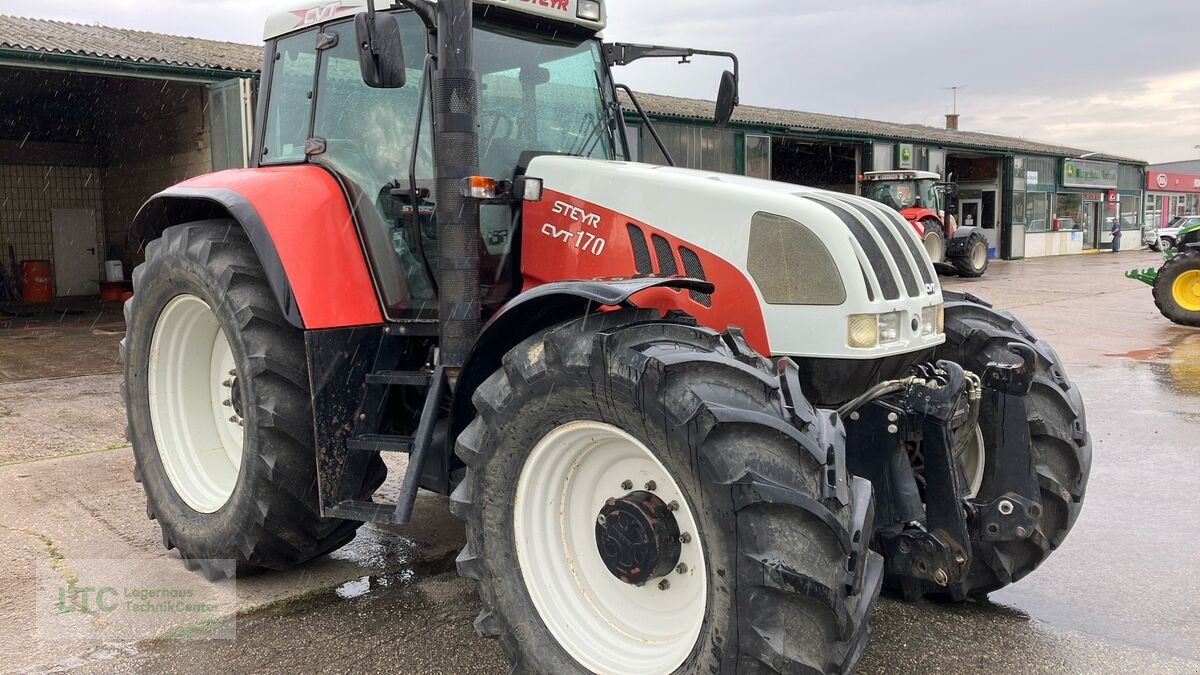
1164, 237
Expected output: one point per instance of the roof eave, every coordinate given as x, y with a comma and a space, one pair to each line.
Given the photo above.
98, 65
862, 137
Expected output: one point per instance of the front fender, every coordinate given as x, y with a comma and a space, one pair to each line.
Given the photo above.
299, 223
958, 243
538, 309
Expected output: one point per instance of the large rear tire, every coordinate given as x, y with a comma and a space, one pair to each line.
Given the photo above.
1061, 448
1177, 289
217, 397
774, 573
934, 241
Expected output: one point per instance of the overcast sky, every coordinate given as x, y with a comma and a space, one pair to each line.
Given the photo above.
1120, 76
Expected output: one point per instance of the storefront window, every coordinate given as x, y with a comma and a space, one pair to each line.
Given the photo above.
1037, 211
1069, 211
1154, 207
1018, 211
1129, 212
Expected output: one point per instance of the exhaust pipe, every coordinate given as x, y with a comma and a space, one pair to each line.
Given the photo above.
456, 148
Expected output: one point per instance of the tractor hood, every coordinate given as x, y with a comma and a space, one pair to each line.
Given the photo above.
813, 257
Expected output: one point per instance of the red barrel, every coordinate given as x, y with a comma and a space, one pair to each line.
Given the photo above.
36, 281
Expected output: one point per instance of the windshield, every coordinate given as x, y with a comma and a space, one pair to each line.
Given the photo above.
905, 194
539, 96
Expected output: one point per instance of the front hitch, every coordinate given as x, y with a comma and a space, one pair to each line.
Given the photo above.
907, 443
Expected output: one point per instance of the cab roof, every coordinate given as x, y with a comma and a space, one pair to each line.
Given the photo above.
304, 13
900, 174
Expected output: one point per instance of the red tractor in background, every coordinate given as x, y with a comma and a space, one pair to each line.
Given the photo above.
921, 197
693, 422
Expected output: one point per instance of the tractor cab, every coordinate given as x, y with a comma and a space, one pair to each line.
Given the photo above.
543, 87
366, 114
915, 194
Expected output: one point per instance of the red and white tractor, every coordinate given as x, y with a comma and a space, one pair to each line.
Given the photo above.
693, 421
920, 196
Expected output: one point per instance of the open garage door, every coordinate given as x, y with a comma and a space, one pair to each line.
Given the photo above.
829, 165
230, 114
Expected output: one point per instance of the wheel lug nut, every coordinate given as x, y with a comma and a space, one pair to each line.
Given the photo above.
228, 384
664, 585
685, 538
673, 506
233, 373
601, 520
651, 486
227, 403
682, 569
627, 485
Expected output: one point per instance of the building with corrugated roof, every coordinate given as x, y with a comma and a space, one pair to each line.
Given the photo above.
94, 120
1032, 199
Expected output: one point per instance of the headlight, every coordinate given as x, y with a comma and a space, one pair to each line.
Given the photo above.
589, 10
865, 331
933, 320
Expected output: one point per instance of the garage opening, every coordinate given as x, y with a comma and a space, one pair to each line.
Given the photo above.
80, 153
832, 166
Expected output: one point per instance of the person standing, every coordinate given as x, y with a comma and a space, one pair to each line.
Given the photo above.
1116, 235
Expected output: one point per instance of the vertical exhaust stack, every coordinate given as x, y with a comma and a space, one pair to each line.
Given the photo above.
456, 144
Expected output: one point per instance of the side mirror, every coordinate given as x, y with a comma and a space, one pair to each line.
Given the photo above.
380, 50
727, 98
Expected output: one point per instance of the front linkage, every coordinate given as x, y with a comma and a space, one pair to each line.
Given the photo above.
908, 444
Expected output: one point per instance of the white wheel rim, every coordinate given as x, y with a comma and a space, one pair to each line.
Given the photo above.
933, 246
607, 625
972, 460
197, 431
979, 255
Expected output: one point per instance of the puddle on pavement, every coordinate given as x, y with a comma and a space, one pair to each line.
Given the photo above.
390, 560
1175, 365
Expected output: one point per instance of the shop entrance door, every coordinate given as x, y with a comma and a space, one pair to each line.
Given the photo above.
969, 212
1091, 225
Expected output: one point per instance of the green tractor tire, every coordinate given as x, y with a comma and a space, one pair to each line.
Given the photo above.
1177, 289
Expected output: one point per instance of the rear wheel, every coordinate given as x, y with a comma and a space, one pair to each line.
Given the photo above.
934, 241
1060, 449
1177, 289
217, 397
637, 500
974, 260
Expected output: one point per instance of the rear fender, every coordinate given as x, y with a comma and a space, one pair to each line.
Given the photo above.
299, 224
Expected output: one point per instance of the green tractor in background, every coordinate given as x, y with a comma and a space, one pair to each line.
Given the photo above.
1177, 283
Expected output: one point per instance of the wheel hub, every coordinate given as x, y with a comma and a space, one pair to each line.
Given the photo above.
638, 537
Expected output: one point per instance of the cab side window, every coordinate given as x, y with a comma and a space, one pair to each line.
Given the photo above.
290, 99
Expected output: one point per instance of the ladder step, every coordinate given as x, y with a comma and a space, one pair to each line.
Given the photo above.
399, 377
380, 443
369, 512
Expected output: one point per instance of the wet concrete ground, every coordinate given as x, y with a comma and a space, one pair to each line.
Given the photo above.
1119, 596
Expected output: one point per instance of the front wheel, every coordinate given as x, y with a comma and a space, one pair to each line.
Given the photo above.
1177, 289
973, 262
1060, 449
638, 500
